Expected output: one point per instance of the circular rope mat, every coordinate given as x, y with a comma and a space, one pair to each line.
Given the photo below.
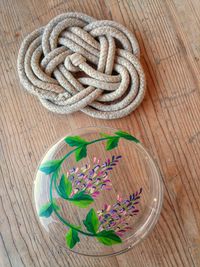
77, 63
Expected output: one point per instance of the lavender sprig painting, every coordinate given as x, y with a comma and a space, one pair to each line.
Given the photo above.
115, 217
92, 180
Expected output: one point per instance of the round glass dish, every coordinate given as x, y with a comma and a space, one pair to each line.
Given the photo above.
98, 192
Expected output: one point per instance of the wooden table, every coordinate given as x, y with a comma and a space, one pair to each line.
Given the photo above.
168, 123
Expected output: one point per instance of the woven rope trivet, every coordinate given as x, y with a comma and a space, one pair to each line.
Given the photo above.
79, 63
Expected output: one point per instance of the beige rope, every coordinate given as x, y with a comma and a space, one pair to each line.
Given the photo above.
79, 63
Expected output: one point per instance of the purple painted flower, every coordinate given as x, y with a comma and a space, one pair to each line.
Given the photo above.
92, 180
115, 217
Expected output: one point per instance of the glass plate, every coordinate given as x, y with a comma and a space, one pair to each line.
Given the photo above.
98, 192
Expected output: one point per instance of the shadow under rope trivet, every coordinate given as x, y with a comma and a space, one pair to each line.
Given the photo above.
77, 63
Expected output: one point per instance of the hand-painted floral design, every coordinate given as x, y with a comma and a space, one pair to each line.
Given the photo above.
115, 217
82, 186
92, 180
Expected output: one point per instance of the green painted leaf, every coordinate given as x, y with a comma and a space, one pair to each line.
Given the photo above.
50, 166
65, 186
72, 238
46, 210
112, 143
80, 195
81, 153
81, 199
127, 136
75, 141
91, 222
108, 238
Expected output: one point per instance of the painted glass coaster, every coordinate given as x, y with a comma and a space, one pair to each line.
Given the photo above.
98, 192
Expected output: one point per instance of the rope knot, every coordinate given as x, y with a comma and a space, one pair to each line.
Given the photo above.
78, 63
73, 61
77, 59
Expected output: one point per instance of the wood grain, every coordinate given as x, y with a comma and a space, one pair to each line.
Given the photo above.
168, 122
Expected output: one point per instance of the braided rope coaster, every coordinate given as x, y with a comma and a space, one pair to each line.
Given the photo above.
77, 63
